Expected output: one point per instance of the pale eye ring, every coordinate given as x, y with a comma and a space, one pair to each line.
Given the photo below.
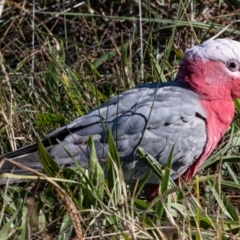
233, 65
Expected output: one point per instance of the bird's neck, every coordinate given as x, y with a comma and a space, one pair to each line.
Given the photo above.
206, 79
214, 89
219, 116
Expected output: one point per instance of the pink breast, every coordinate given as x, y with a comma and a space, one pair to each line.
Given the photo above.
219, 117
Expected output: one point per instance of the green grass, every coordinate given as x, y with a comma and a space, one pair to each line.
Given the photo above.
80, 59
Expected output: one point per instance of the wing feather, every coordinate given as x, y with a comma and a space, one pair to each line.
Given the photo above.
153, 116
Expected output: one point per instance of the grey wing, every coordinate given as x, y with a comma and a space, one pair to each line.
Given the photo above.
177, 120
111, 115
152, 116
74, 136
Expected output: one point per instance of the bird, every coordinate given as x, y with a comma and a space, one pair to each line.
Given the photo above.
188, 116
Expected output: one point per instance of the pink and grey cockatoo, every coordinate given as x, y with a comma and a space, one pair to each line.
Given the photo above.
191, 113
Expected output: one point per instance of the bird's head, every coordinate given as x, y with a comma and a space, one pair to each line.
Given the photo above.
212, 69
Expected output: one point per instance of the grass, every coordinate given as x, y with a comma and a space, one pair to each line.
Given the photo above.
82, 56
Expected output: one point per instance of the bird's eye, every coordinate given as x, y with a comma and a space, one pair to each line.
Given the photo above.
233, 65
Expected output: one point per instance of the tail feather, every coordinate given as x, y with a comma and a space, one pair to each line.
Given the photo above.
28, 156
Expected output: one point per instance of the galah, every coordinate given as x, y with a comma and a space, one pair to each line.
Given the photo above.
189, 115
